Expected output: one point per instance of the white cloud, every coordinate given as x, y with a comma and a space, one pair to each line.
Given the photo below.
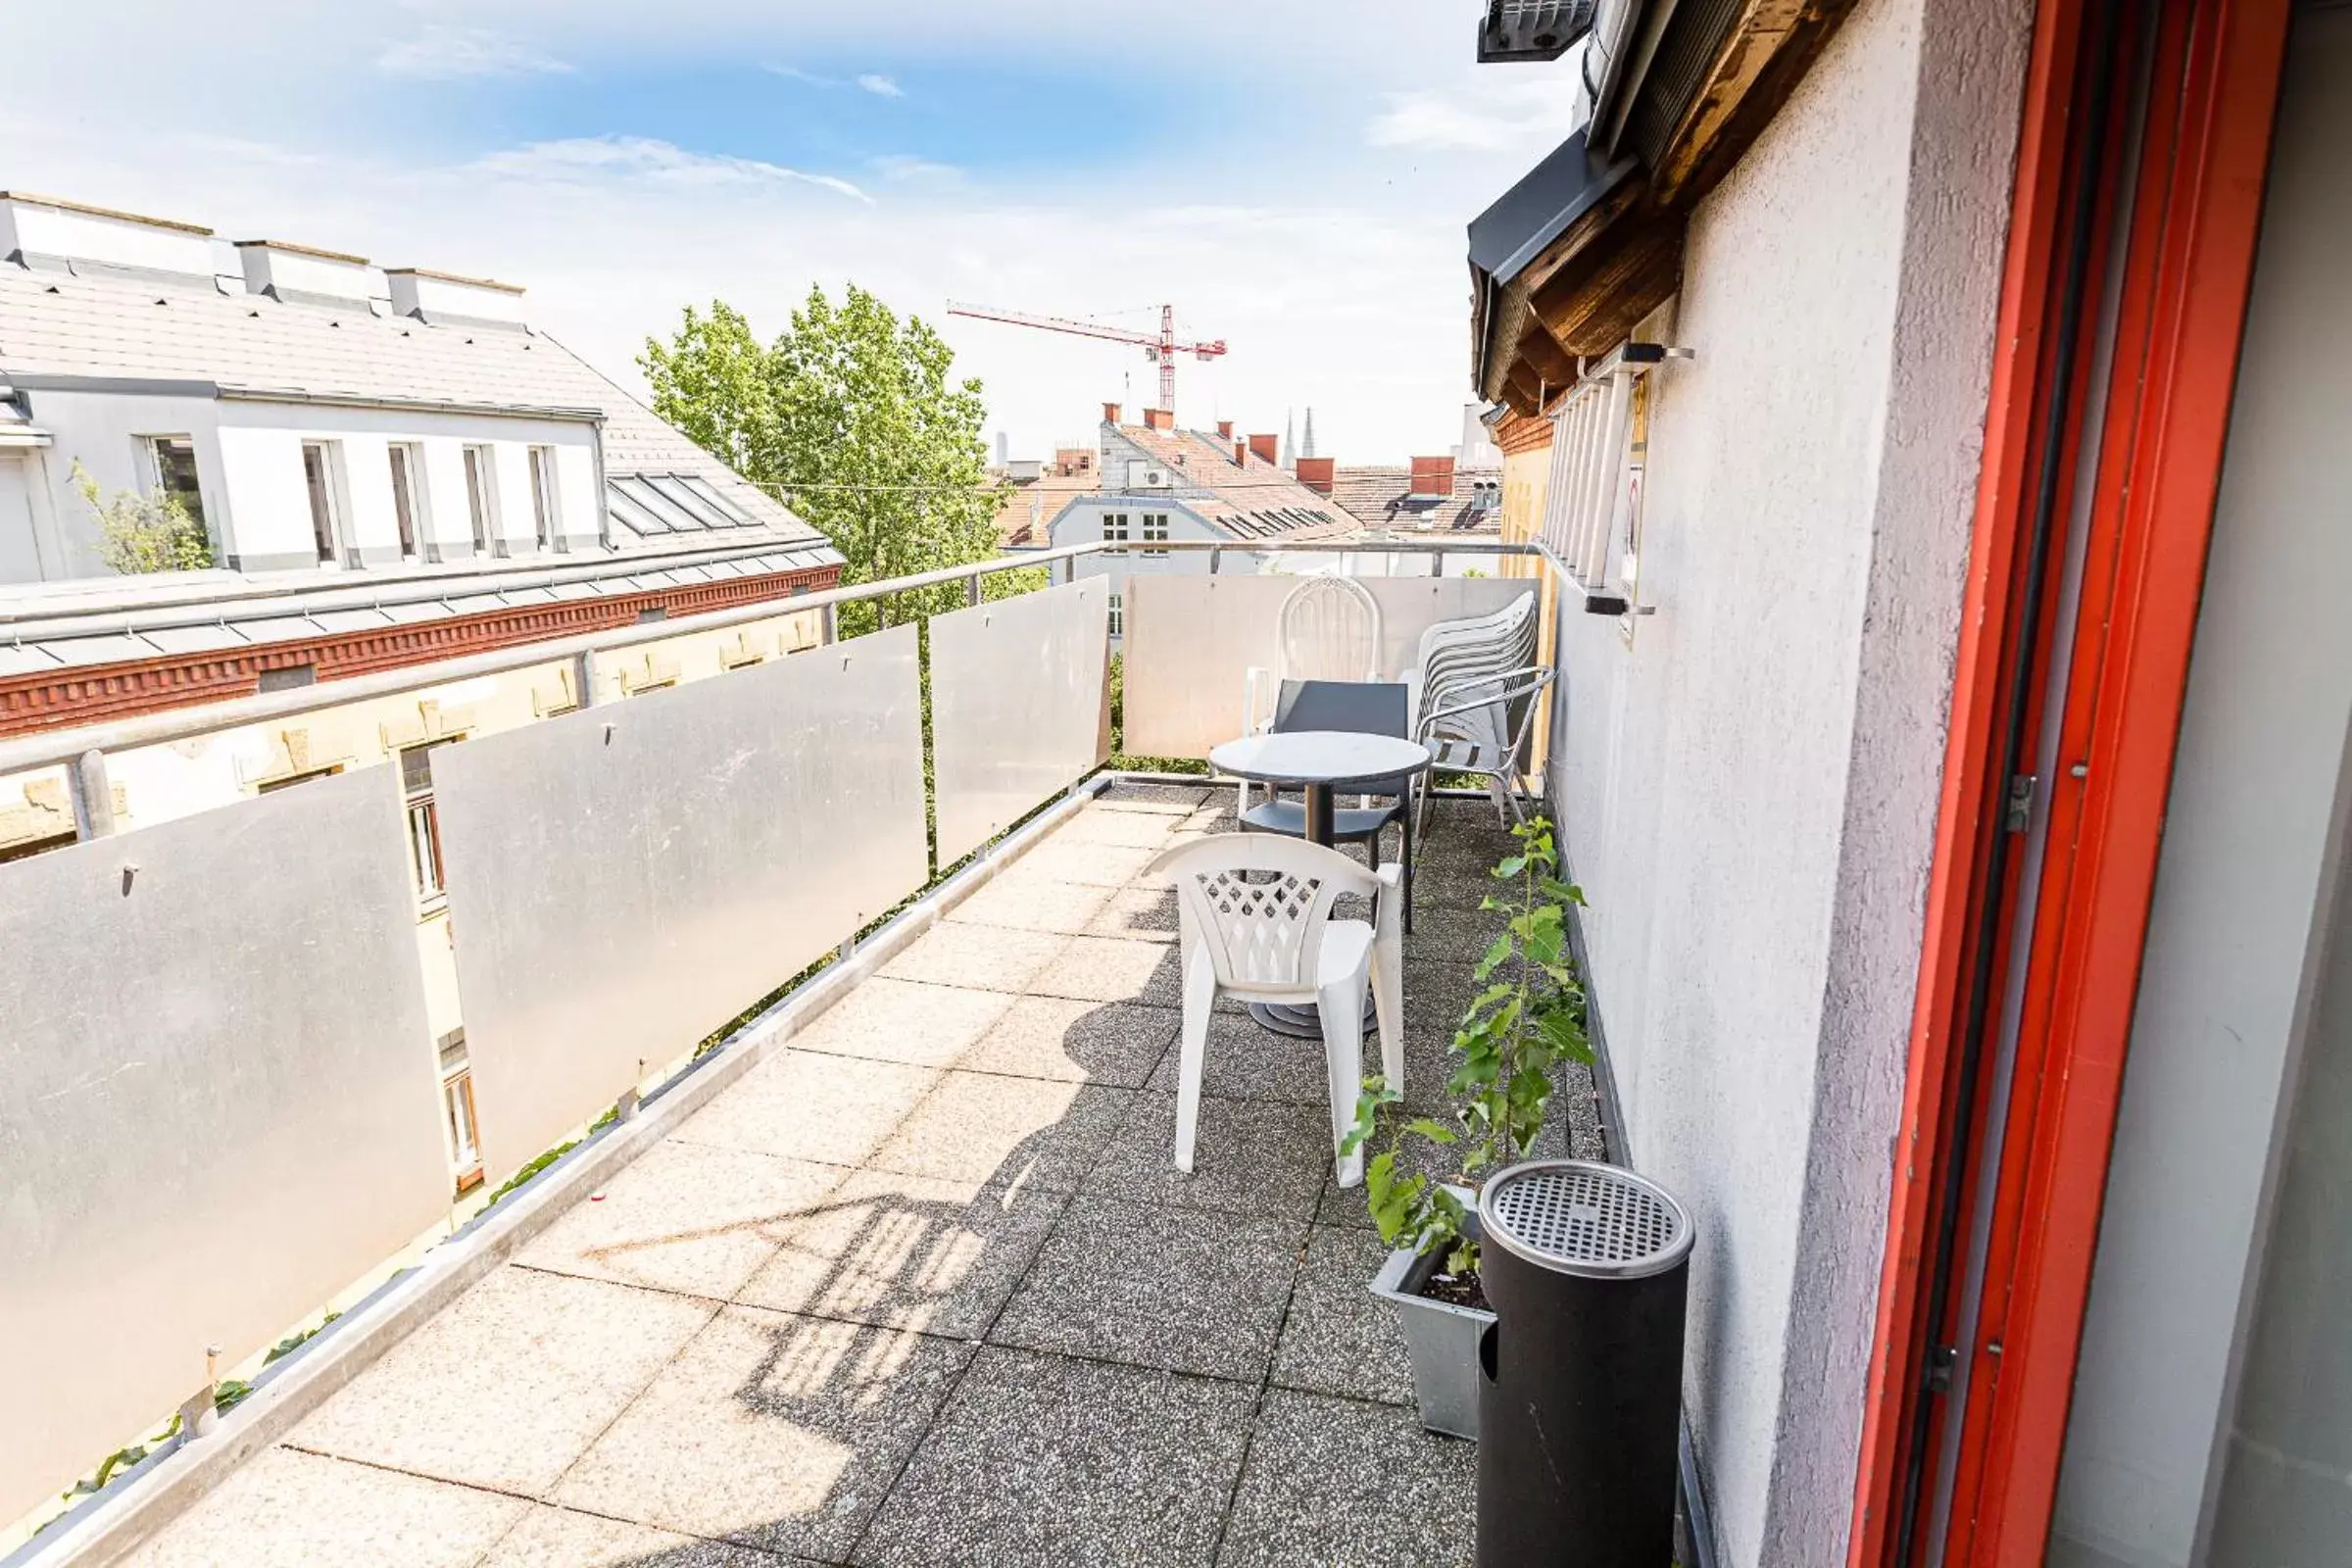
647, 160
442, 52
1501, 118
796, 74
908, 167
881, 86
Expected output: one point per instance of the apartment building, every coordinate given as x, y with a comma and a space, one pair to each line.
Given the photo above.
391, 468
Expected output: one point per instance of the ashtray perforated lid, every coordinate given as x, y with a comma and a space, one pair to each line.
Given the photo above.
1579, 1217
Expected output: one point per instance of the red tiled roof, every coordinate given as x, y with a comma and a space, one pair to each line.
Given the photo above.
1379, 496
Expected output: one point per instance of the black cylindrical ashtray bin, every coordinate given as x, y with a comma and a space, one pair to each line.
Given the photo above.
1587, 1267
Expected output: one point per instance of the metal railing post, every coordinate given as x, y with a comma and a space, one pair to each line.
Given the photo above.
1216, 554
93, 796
583, 679
971, 590
828, 631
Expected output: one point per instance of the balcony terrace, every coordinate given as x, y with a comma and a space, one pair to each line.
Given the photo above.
922, 1286
900, 1272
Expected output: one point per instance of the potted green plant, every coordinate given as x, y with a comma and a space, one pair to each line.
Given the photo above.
1528, 1017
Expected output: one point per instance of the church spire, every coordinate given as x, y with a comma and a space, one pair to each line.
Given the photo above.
1307, 442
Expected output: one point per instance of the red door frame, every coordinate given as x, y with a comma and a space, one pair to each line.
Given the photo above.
2189, 264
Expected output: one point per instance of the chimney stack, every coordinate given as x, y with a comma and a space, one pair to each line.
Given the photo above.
1266, 448
1240, 454
1161, 419
1316, 475
1110, 413
1225, 429
1433, 478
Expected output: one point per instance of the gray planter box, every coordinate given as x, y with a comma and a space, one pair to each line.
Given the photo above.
1442, 1339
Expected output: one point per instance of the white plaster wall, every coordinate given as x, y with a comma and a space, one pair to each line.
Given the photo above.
105, 431
1749, 791
262, 455
262, 468
448, 533
516, 523
19, 545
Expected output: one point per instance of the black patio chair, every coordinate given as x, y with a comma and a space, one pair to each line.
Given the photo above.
1358, 708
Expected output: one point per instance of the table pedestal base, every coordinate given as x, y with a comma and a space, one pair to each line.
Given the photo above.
1305, 1023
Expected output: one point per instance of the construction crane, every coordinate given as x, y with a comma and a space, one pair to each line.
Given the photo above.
1162, 349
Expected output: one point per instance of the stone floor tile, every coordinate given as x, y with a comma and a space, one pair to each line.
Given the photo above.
773, 1431
1248, 1156
1106, 865
1032, 904
1332, 1482
506, 1388
1138, 915
1141, 830
1142, 878
1039, 1461
982, 957
908, 1253
977, 1127
685, 1218
1153, 1286
1075, 1042
1245, 1061
558, 1537
1337, 1338
283, 1508
1105, 970
1174, 799
904, 1020
807, 1105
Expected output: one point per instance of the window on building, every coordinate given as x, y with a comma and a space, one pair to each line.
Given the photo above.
481, 499
1156, 530
318, 473
408, 471
1118, 616
545, 514
172, 460
286, 781
1115, 532
457, 1100
425, 818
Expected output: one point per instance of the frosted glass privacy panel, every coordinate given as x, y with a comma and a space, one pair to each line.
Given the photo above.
1017, 707
626, 878
221, 1105
1191, 641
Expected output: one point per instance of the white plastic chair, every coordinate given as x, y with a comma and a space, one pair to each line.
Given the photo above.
1327, 629
1253, 914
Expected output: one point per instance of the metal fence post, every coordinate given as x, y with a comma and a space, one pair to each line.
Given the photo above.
583, 679
1216, 553
829, 625
93, 796
971, 590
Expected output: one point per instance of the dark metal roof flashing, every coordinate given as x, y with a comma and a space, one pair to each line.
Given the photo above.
1510, 235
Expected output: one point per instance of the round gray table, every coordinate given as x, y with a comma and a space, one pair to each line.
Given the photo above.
1319, 762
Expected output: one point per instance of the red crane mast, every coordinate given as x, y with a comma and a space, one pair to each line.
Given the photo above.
1162, 349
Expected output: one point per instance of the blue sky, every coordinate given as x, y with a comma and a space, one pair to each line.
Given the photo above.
1294, 177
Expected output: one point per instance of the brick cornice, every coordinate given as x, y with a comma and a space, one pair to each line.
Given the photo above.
90, 693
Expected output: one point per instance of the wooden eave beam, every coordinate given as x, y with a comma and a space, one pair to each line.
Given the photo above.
1765, 53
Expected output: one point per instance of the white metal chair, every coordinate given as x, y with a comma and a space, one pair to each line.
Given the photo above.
1471, 700
1253, 914
1327, 629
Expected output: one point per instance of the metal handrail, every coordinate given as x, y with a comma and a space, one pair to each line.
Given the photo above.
83, 748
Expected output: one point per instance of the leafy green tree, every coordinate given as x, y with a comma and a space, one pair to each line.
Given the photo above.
139, 534
852, 417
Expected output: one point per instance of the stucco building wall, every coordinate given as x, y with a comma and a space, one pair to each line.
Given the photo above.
1749, 787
